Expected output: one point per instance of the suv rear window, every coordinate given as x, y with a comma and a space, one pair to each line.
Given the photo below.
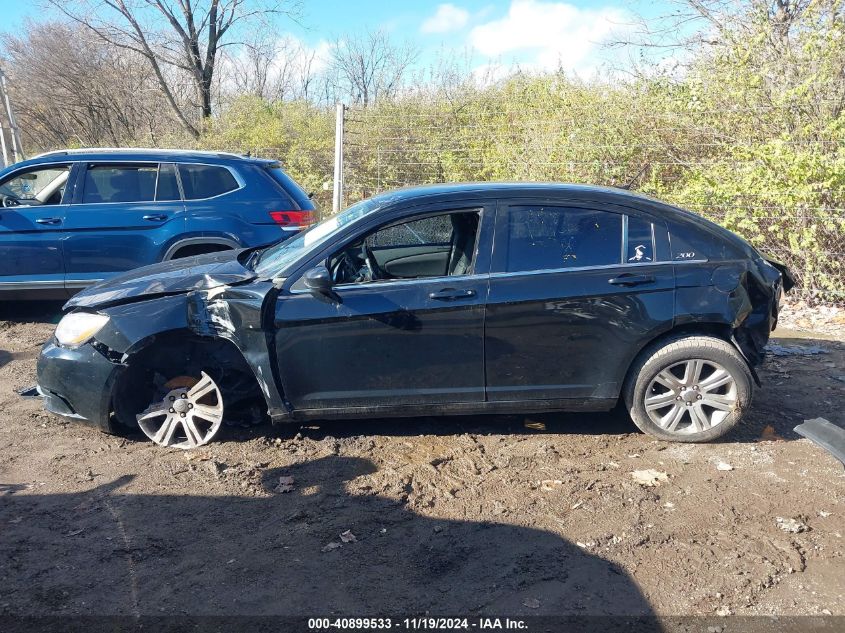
206, 181
541, 237
120, 183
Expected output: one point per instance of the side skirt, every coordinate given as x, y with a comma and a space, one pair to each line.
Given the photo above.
461, 408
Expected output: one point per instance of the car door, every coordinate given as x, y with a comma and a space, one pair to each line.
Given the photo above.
122, 217
411, 339
575, 290
34, 207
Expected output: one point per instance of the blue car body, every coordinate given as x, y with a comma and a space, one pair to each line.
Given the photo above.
72, 218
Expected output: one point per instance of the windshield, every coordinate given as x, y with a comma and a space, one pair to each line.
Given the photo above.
273, 261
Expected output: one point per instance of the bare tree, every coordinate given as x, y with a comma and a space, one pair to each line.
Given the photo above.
370, 66
70, 88
697, 24
185, 35
271, 67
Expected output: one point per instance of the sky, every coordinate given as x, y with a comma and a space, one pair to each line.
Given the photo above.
535, 35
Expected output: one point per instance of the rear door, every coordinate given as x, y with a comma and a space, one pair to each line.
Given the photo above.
576, 289
122, 217
35, 205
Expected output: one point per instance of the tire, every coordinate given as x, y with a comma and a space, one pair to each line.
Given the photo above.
698, 389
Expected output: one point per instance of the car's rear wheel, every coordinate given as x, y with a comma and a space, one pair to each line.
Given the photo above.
690, 389
188, 415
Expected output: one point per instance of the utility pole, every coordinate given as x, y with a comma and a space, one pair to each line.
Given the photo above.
3, 144
14, 133
337, 194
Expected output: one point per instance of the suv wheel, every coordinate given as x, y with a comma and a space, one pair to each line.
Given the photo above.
691, 389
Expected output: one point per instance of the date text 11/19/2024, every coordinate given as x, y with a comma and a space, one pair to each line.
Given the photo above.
417, 624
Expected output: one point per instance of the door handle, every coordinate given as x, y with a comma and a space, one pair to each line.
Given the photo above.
48, 221
629, 279
450, 294
156, 217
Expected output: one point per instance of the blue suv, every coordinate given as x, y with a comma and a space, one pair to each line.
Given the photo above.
72, 218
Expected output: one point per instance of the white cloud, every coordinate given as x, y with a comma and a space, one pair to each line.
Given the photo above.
447, 18
551, 34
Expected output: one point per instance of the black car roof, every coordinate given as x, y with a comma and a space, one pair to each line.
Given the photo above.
593, 193
539, 189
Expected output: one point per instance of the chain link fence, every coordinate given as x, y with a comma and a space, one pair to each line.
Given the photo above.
781, 195
681, 158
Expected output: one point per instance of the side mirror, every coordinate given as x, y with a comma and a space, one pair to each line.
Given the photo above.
318, 280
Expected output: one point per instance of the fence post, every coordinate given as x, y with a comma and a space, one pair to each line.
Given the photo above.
337, 193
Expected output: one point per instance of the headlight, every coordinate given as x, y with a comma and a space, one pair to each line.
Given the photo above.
78, 328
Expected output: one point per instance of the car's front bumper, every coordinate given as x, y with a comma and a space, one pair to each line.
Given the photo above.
77, 383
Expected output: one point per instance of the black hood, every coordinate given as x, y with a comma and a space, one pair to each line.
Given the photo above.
201, 272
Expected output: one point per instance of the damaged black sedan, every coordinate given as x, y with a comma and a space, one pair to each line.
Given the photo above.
440, 300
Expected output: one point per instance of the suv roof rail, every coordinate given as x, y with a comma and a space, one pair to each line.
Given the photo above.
139, 150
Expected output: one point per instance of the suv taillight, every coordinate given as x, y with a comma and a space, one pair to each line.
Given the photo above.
293, 219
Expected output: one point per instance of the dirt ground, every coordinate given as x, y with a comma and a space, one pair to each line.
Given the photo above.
470, 515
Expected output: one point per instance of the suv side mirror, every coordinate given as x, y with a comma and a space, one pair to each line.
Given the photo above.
318, 280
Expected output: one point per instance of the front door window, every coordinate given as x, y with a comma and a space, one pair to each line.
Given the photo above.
35, 187
433, 246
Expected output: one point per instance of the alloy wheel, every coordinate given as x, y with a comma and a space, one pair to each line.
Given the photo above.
186, 417
691, 396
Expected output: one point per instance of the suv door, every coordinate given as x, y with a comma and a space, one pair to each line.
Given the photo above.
576, 289
34, 206
122, 217
412, 337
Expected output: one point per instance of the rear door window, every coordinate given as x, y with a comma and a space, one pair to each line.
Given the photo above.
206, 181
548, 237
110, 183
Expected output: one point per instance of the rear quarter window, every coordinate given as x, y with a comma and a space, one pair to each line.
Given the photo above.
206, 181
688, 242
289, 186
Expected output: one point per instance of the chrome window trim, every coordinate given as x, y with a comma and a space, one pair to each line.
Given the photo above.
50, 283
624, 258
82, 283
32, 284
551, 271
